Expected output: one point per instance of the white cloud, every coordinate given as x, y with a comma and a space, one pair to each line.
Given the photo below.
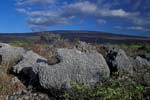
21, 10
119, 12
32, 2
137, 28
44, 18
38, 27
134, 28
82, 7
139, 20
113, 13
100, 21
62, 13
118, 27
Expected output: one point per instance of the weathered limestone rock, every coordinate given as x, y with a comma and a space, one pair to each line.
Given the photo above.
118, 61
141, 70
74, 66
10, 54
28, 60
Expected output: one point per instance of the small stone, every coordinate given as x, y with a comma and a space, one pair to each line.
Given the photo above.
35, 94
15, 80
26, 97
24, 92
10, 54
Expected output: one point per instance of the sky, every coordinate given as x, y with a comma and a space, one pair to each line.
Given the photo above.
131, 17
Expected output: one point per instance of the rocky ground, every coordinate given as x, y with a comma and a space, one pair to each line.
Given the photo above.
38, 74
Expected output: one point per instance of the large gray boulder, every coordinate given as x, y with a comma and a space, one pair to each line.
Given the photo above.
119, 61
141, 70
74, 66
28, 60
24, 69
10, 54
141, 61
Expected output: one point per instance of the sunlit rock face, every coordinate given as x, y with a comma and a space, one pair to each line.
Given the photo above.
118, 61
10, 54
73, 66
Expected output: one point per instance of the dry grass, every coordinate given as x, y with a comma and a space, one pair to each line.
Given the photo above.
7, 86
48, 53
39, 49
101, 49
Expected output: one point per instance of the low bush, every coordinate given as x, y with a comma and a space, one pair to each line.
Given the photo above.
108, 90
25, 44
136, 49
49, 37
7, 86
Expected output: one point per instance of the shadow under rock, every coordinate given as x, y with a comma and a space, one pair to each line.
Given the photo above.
31, 80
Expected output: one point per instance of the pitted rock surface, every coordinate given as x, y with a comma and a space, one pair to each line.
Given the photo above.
74, 66
9, 54
119, 61
28, 60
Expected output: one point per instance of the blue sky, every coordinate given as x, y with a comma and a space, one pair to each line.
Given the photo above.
116, 16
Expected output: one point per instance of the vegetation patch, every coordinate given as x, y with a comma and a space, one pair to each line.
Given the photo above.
113, 88
25, 44
109, 89
7, 86
134, 49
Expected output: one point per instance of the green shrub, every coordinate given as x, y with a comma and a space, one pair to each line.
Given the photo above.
25, 44
108, 90
135, 49
49, 37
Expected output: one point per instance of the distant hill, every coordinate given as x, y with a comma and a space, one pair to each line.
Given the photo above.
88, 36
